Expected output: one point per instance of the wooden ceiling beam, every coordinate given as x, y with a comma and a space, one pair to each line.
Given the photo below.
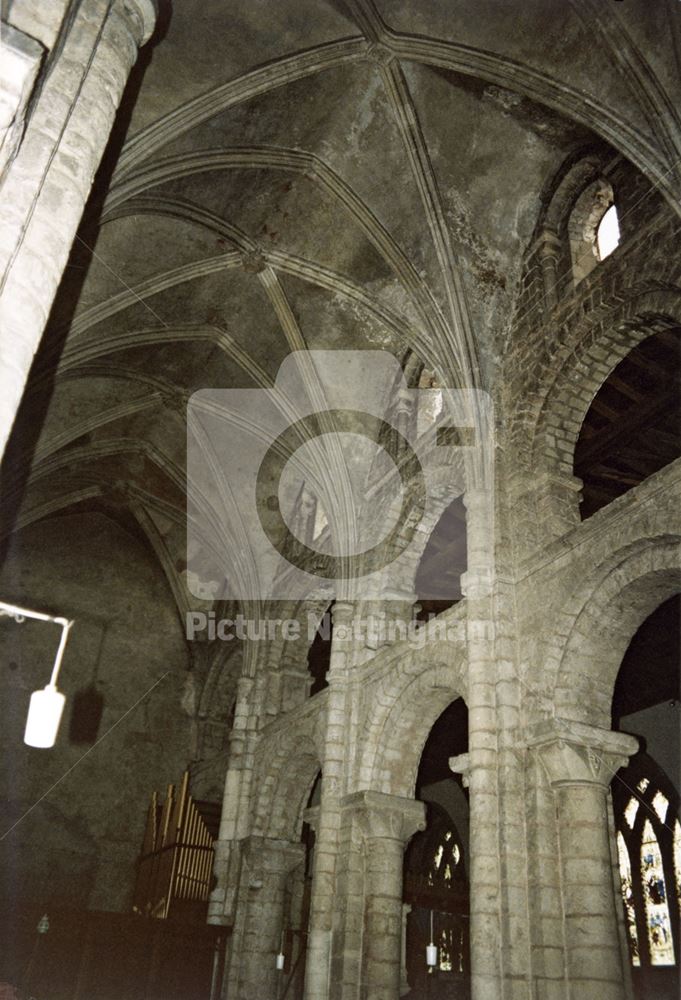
598, 406
622, 386
636, 357
639, 417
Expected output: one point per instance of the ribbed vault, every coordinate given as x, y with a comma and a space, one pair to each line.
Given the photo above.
315, 174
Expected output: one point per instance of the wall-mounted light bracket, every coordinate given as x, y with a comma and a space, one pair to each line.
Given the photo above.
46, 705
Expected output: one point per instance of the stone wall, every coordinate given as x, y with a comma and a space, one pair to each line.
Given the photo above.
48, 160
549, 603
534, 648
80, 809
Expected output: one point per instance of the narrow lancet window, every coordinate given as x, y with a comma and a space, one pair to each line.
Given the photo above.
655, 896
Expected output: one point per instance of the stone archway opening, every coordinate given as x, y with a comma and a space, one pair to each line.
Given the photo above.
583, 227
444, 561
319, 653
632, 428
646, 798
436, 900
297, 903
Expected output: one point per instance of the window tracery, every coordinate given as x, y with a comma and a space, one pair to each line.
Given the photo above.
628, 899
593, 228
649, 855
660, 942
436, 882
677, 861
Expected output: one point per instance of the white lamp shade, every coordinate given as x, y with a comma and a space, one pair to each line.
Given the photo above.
431, 955
280, 961
44, 716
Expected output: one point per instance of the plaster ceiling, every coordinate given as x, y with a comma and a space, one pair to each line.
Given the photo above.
321, 174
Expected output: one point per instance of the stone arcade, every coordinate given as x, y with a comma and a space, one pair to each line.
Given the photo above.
481, 750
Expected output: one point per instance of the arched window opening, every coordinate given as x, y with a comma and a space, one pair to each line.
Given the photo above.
647, 804
648, 684
628, 899
296, 909
319, 653
630, 812
677, 860
660, 944
436, 885
308, 834
438, 578
608, 233
633, 426
648, 848
593, 228
430, 401
435, 881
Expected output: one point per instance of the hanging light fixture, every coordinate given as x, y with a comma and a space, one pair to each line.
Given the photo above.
281, 958
431, 949
47, 704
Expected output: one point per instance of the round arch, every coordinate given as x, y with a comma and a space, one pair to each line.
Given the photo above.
597, 351
283, 784
619, 599
408, 700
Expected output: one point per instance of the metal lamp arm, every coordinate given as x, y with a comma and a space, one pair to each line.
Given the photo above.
19, 614
65, 629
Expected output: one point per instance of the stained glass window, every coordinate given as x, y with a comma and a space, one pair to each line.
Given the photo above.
655, 896
677, 860
447, 850
660, 805
628, 898
436, 886
649, 851
630, 812
450, 948
437, 860
448, 937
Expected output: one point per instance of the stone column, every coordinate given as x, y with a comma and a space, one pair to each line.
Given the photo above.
266, 864
46, 187
580, 762
404, 980
295, 687
488, 943
387, 822
549, 250
20, 58
235, 806
337, 750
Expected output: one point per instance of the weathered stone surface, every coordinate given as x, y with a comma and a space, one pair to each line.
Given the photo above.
394, 177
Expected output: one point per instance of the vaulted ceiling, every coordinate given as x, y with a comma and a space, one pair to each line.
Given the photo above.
321, 174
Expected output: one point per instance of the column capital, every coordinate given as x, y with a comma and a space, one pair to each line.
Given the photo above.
342, 614
145, 13
311, 817
477, 582
548, 243
386, 817
266, 856
574, 753
477, 497
401, 595
461, 765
